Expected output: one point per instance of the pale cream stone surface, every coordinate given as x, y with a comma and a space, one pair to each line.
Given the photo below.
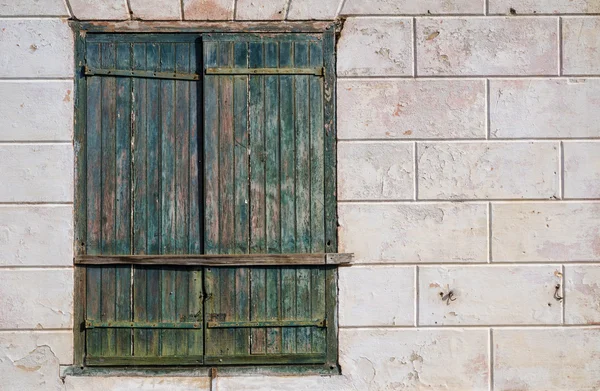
381, 46
375, 171
582, 289
376, 296
487, 46
100, 9
36, 48
413, 233
411, 109
544, 6
33, 8
36, 299
485, 295
380, 359
156, 9
551, 359
404, 7
551, 232
17, 344
126, 383
36, 235
482, 170
38, 370
36, 172
208, 9
582, 169
36, 110
313, 9
544, 108
581, 45
261, 10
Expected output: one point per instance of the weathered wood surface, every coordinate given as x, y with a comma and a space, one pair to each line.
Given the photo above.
142, 187
217, 260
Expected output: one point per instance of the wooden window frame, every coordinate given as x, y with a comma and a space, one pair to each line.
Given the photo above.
330, 259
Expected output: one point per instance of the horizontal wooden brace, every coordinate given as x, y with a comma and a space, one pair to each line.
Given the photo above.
143, 74
92, 324
300, 358
274, 323
141, 361
317, 71
217, 260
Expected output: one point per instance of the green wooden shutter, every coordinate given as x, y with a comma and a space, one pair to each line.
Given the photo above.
142, 198
265, 145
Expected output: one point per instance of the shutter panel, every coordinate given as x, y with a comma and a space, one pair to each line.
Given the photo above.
264, 148
142, 198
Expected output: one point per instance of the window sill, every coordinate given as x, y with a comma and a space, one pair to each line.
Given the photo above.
204, 371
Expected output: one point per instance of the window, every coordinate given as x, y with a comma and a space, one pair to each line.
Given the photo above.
205, 202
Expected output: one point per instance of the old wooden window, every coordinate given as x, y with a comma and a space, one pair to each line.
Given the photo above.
205, 205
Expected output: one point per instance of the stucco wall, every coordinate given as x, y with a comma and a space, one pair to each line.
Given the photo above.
469, 160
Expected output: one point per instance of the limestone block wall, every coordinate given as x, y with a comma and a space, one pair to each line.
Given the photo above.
468, 161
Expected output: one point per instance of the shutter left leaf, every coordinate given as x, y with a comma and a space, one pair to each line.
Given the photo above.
142, 198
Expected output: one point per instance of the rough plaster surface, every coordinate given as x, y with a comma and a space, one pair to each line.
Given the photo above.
411, 109
581, 46
36, 172
544, 108
480, 171
415, 359
370, 47
127, 383
551, 232
390, 305
544, 6
33, 7
387, 7
312, 9
15, 345
487, 46
155, 9
100, 9
375, 171
499, 295
582, 169
36, 298
208, 9
36, 235
34, 110
38, 48
414, 233
546, 359
582, 287
261, 10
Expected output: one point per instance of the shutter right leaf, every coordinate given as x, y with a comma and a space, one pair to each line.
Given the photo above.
264, 150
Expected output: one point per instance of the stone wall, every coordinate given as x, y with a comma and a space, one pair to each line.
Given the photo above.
469, 161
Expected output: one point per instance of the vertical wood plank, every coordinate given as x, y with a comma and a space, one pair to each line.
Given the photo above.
182, 176
153, 174
139, 141
80, 201
273, 198
168, 202
108, 196
288, 191
317, 196
257, 194
302, 193
211, 152
257, 150
94, 198
242, 197
123, 198
196, 207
